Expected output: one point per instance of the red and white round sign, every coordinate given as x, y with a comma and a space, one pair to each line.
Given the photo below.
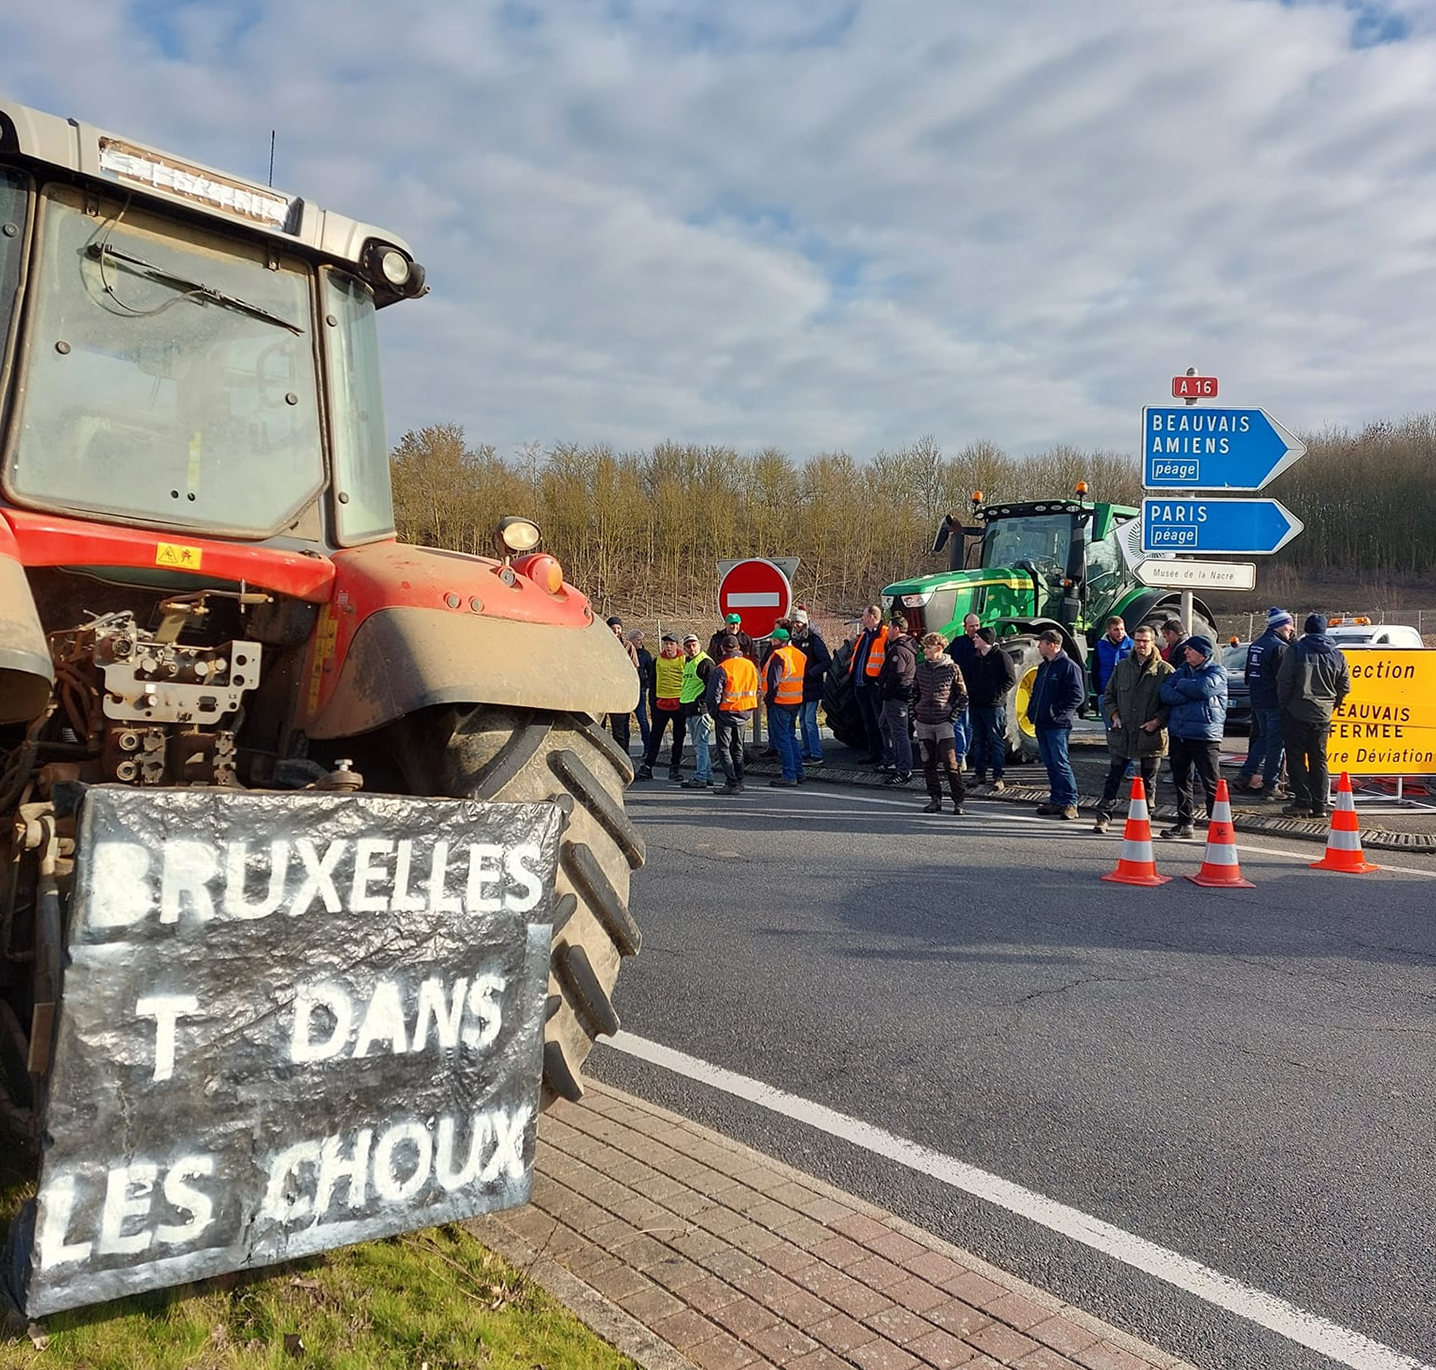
758, 592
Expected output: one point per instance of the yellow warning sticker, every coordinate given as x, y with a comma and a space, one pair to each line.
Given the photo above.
178, 554
325, 640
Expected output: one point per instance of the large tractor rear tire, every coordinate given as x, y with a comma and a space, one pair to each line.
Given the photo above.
1021, 737
510, 754
839, 706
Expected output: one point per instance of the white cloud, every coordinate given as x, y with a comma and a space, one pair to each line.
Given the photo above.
834, 224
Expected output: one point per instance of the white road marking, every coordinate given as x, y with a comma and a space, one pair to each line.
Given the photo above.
1338, 1343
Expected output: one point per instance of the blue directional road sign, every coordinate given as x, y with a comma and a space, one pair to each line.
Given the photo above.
1246, 527
1214, 449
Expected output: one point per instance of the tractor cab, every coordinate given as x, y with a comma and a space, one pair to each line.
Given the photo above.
1057, 560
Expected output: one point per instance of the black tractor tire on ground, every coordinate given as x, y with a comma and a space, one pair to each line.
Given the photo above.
1021, 745
499, 753
840, 707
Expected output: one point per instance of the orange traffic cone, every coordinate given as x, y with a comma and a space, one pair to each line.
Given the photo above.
1343, 842
1137, 865
1219, 865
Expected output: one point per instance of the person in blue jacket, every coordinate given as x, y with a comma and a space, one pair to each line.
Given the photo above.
1264, 745
1196, 700
1057, 694
1113, 646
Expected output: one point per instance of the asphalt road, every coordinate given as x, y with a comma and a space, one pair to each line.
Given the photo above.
1242, 1077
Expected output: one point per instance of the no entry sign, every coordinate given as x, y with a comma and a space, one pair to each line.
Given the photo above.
759, 592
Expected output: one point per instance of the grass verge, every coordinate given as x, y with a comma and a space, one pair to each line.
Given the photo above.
431, 1300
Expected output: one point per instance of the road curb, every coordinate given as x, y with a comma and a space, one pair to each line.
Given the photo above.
750, 1250
1274, 825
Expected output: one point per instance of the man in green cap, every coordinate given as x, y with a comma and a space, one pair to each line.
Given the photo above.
732, 627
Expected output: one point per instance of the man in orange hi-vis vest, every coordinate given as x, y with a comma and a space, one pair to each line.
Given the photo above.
731, 698
783, 693
867, 661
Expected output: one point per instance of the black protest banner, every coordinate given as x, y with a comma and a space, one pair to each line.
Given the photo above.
289, 1022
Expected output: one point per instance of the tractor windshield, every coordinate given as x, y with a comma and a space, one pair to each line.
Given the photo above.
171, 378
1043, 539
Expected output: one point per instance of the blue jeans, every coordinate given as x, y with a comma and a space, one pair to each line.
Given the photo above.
812, 748
783, 729
1052, 743
640, 711
1264, 750
698, 726
962, 735
989, 740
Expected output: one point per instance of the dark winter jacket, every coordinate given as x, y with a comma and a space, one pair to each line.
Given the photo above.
647, 683
963, 650
899, 667
1057, 693
938, 693
812, 646
990, 679
1134, 694
745, 644
1263, 661
1312, 680
1106, 657
1196, 700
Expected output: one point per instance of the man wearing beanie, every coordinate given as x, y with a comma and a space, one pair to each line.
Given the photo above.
1264, 744
1196, 700
819, 659
1312, 681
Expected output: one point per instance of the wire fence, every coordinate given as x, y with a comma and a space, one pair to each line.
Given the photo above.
1246, 626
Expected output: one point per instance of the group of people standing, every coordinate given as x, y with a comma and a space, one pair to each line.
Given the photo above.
1174, 703
694, 689
954, 694
952, 699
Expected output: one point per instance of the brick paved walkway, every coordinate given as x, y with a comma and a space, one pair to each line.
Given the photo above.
719, 1257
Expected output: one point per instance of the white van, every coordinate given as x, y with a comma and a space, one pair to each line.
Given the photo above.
1375, 635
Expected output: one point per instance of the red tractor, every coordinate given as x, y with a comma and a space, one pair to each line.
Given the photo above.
202, 600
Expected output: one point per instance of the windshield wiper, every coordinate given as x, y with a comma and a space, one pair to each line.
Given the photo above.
196, 289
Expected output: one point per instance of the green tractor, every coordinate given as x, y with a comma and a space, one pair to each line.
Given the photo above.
1067, 564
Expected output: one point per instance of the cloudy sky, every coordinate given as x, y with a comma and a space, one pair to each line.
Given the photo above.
826, 224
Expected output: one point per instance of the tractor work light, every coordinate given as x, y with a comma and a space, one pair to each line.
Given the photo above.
388, 266
514, 536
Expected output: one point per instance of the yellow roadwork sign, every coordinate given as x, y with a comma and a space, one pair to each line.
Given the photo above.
1387, 726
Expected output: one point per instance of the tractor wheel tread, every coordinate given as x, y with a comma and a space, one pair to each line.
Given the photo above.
564, 908
612, 752
513, 755
558, 1075
572, 966
840, 706
521, 747
584, 786
583, 869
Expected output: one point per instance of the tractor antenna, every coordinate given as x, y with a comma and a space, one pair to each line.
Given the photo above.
271, 157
